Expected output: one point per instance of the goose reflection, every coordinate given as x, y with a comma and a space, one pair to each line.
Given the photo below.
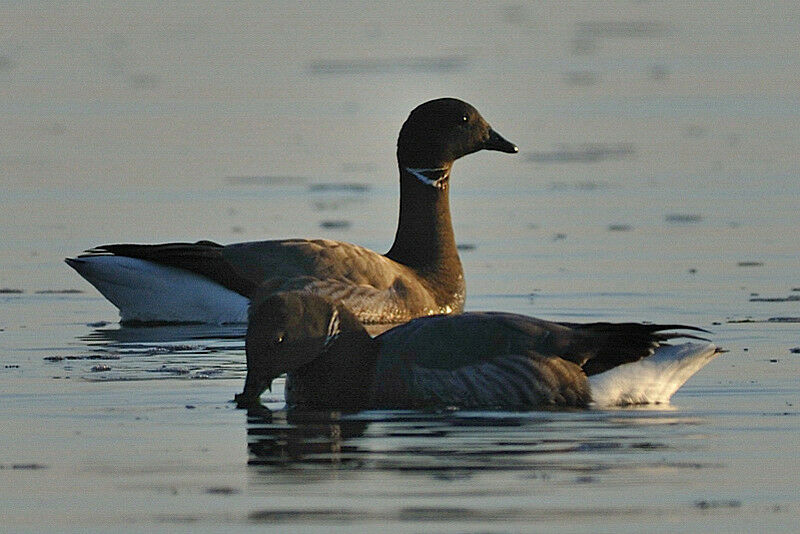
545, 446
286, 440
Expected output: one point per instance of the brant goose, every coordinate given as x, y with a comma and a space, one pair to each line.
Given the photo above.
420, 275
472, 360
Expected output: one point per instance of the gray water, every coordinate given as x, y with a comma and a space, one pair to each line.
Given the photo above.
657, 180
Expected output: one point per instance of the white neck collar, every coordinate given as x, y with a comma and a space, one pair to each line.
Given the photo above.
333, 328
440, 176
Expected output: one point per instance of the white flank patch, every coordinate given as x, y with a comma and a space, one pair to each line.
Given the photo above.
147, 291
651, 380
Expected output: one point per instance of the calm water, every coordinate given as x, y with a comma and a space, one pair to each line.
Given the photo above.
657, 180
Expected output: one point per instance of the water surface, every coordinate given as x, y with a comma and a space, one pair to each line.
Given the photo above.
657, 180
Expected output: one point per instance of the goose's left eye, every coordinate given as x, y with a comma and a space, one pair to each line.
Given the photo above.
278, 339
464, 119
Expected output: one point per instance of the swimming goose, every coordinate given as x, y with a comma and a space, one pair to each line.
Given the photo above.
472, 360
420, 275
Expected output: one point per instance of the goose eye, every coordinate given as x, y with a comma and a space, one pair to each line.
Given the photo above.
464, 119
278, 339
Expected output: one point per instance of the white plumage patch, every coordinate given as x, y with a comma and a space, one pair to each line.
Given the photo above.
651, 380
146, 291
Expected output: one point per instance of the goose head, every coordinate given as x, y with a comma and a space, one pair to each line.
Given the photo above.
440, 131
287, 331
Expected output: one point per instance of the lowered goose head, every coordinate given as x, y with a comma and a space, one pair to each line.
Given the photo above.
288, 331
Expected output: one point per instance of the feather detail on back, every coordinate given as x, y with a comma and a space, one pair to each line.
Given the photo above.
512, 381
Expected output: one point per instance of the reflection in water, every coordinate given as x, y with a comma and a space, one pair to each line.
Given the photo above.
545, 445
172, 333
301, 440
171, 351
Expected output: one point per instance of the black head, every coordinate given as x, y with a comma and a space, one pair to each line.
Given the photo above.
285, 332
440, 131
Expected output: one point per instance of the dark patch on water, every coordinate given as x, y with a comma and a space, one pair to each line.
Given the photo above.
683, 218
58, 291
207, 373
87, 357
659, 72
10, 291
293, 516
432, 64
750, 264
136, 373
447, 514
336, 196
266, 180
620, 227
589, 34
222, 490
584, 153
338, 225
144, 80
135, 323
598, 445
648, 445
348, 187
795, 350
579, 186
466, 246
629, 29
770, 320
171, 370
55, 128
178, 518
148, 350
581, 78
582, 45
790, 298
24, 467
353, 166
725, 503
100, 368
694, 131
518, 15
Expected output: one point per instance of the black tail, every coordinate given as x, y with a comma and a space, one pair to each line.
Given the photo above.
203, 258
619, 343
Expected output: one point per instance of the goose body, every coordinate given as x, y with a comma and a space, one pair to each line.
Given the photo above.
471, 360
420, 275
